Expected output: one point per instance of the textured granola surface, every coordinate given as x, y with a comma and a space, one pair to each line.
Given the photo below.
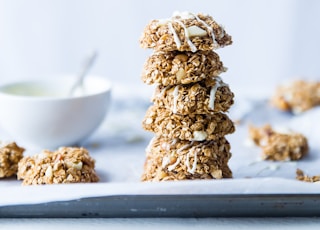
168, 159
173, 34
65, 165
190, 98
197, 98
279, 146
298, 96
172, 68
197, 127
10, 155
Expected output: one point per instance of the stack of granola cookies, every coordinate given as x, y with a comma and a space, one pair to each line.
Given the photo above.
190, 100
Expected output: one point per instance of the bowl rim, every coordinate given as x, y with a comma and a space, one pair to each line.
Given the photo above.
53, 78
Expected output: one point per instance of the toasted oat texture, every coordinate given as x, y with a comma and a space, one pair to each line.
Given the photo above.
297, 96
66, 165
279, 146
185, 32
208, 96
172, 68
184, 160
10, 155
192, 127
303, 177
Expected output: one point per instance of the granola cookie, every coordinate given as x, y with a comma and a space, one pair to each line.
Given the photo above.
172, 68
65, 165
207, 96
279, 146
184, 160
303, 177
10, 155
297, 96
185, 32
192, 127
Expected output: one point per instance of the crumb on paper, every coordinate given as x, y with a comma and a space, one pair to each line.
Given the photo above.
300, 175
297, 97
95, 145
279, 146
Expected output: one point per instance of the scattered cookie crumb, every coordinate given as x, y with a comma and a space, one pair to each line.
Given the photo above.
10, 155
65, 165
279, 146
297, 97
95, 145
303, 177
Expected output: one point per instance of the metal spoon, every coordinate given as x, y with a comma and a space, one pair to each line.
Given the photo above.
88, 63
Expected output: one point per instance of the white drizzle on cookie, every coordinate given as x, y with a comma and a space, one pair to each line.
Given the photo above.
175, 98
186, 34
163, 91
148, 149
218, 83
175, 36
208, 28
160, 92
167, 160
182, 16
185, 147
187, 162
174, 165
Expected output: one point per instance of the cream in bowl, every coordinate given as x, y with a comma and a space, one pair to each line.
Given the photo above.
42, 113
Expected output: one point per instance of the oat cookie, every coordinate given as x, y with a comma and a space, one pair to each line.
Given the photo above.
172, 68
298, 96
192, 127
303, 177
10, 155
185, 32
208, 96
184, 160
279, 146
65, 165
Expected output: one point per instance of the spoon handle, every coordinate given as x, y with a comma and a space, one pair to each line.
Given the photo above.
87, 64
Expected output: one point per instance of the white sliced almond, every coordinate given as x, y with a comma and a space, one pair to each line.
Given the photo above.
180, 74
196, 31
149, 121
49, 172
199, 135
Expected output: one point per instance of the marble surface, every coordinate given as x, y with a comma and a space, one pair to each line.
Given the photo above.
163, 223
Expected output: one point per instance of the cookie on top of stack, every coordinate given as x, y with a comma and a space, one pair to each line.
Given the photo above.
190, 100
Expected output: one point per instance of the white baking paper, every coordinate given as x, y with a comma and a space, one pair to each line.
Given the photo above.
119, 150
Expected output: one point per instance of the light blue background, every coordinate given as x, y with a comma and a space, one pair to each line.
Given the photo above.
273, 40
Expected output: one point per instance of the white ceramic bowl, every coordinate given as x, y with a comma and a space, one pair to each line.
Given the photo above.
41, 112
